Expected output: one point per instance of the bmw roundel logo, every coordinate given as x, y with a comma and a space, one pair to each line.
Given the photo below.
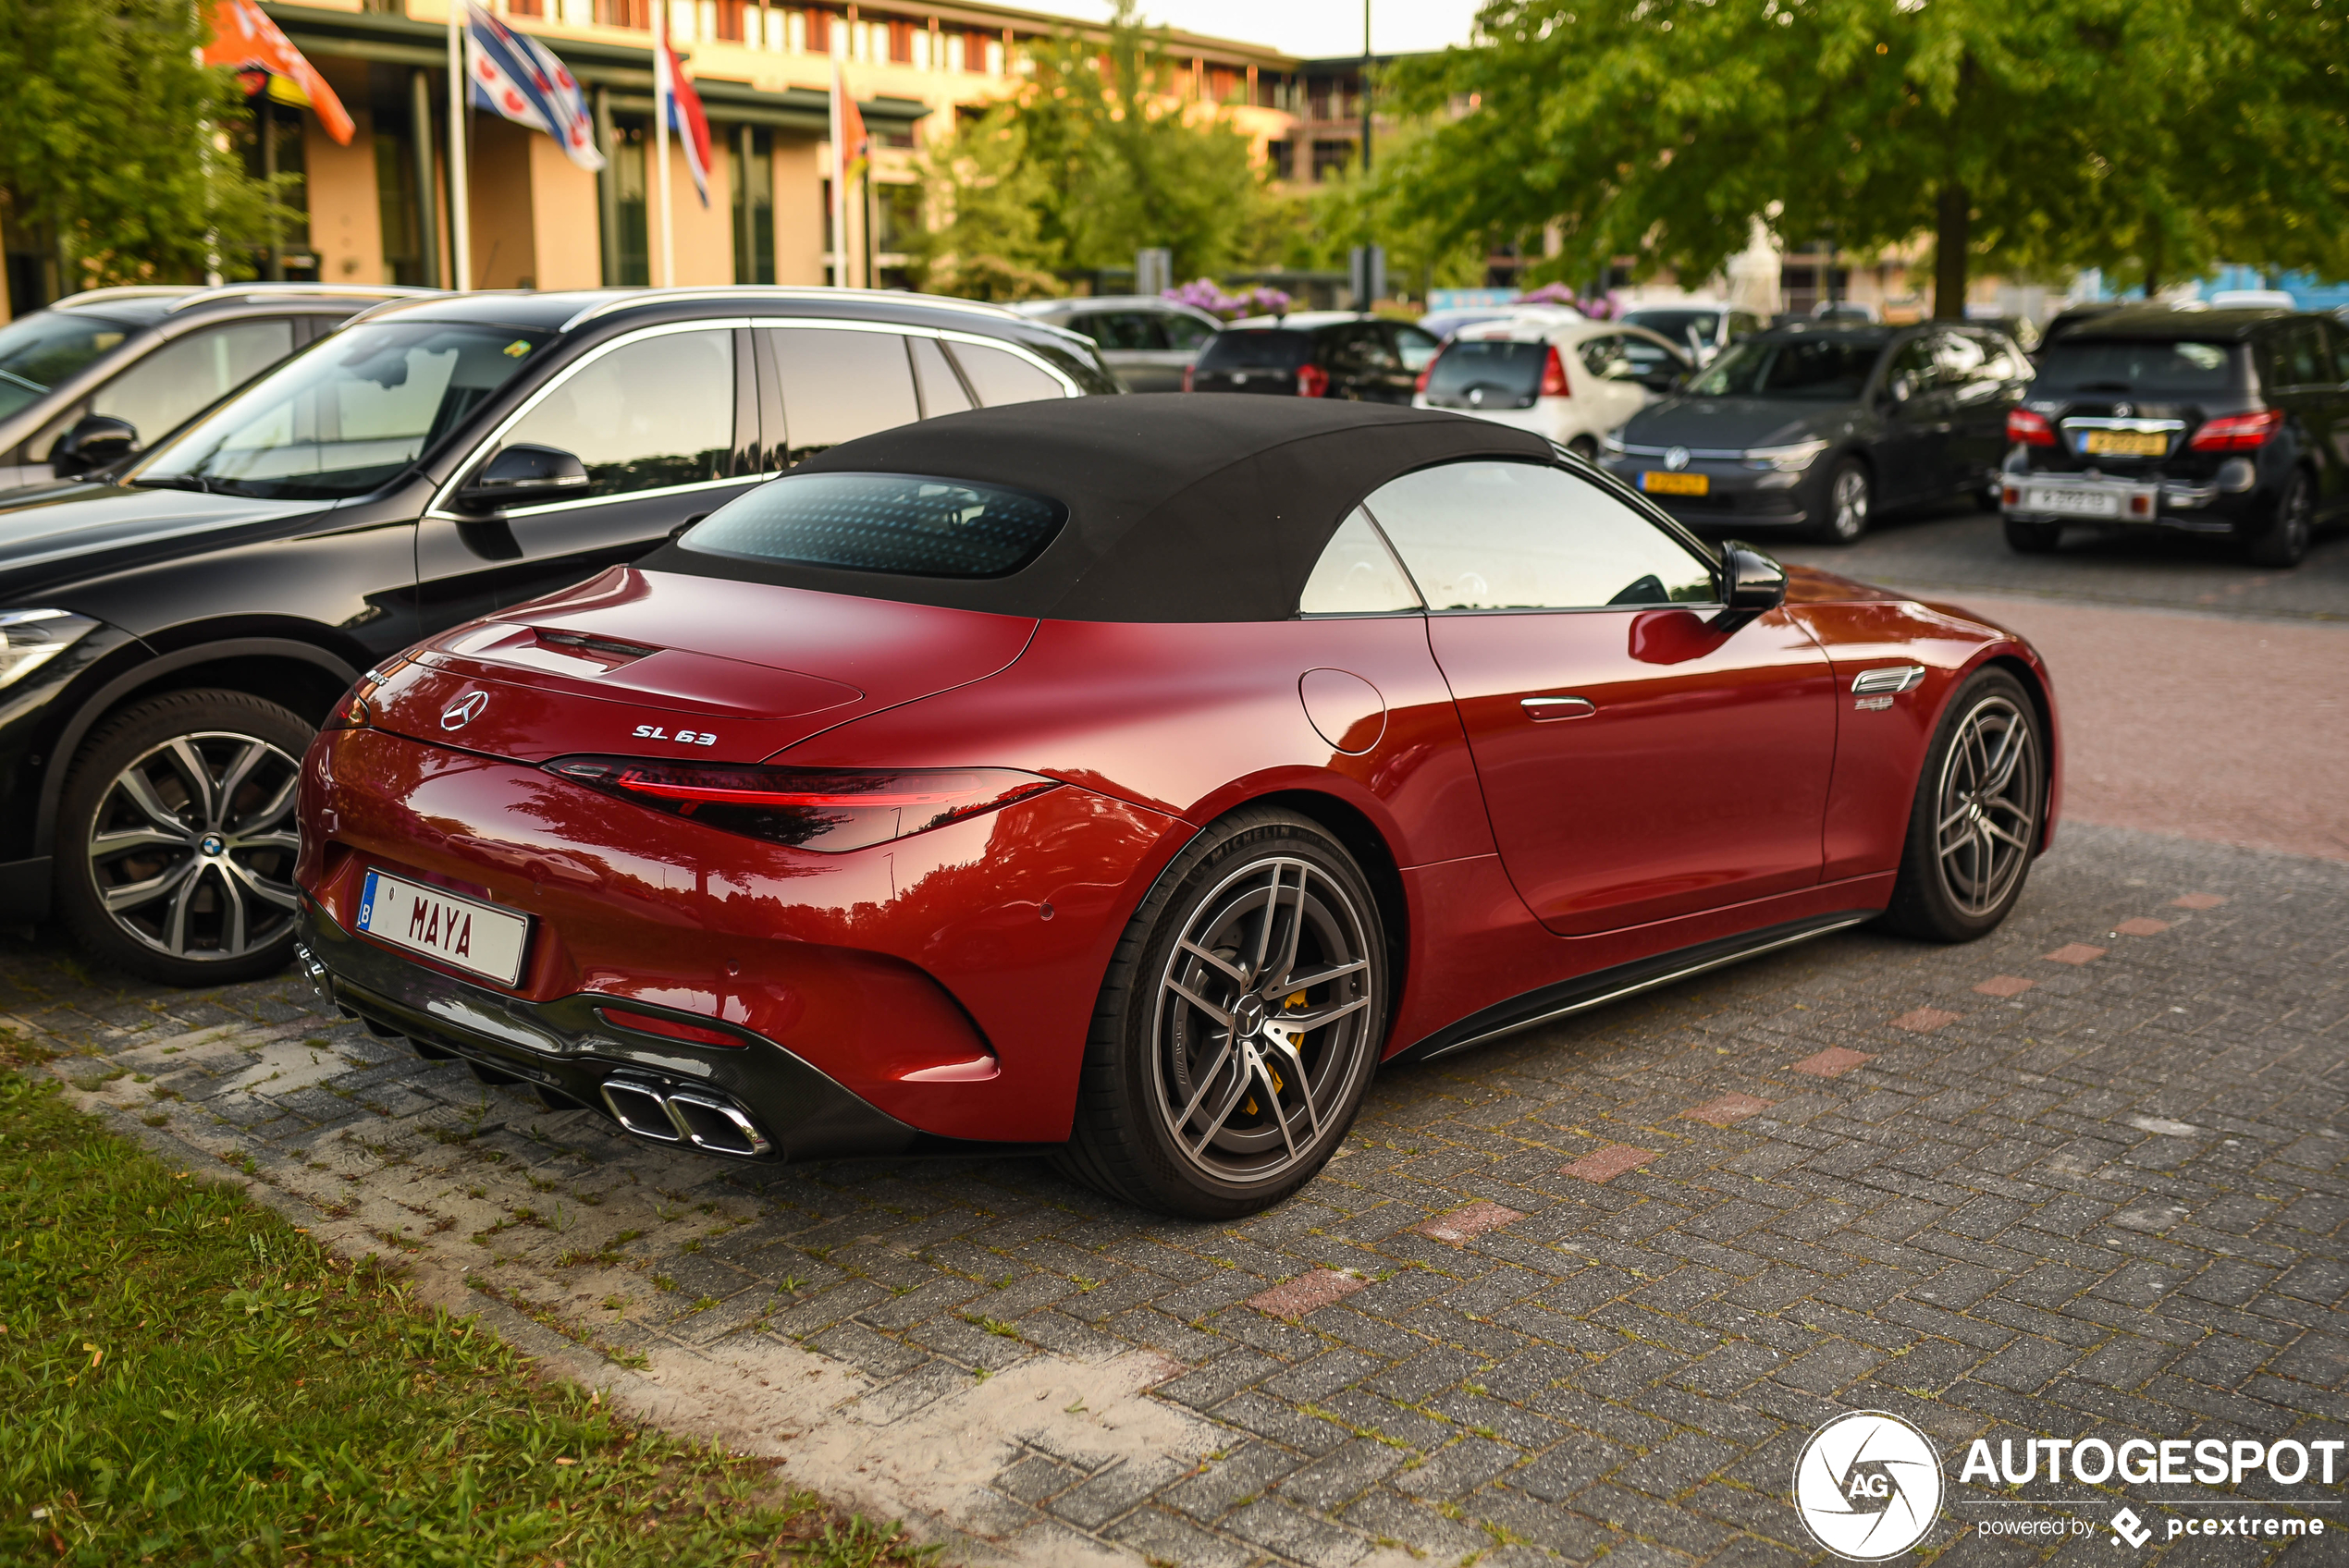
1868, 1486
465, 710
1676, 458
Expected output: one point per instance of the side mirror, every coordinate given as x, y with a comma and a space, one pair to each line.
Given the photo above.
523, 473
1901, 389
1752, 585
94, 441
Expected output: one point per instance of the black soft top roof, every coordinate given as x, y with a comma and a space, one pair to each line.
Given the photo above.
1181, 506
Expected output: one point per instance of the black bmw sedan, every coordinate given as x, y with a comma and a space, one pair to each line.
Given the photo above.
173, 630
1813, 429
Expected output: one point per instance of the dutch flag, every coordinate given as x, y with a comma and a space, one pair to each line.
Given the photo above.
521, 79
671, 89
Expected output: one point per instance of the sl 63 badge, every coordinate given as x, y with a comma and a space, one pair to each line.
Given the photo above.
683, 737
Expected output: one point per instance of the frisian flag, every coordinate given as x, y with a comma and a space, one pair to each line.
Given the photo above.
520, 77
684, 114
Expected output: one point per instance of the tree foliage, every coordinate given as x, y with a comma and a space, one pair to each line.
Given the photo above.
1097, 155
2025, 133
105, 141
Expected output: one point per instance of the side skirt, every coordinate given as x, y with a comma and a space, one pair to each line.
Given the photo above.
1586, 991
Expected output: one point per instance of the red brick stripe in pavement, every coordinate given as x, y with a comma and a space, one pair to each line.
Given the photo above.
1925, 1020
2141, 926
1832, 1062
1295, 1298
2198, 900
2074, 952
2005, 985
1461, 1224
1726, 1109
1608, 1163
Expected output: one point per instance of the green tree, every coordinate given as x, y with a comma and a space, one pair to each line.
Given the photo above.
1098, 155
106, 140
2039, 135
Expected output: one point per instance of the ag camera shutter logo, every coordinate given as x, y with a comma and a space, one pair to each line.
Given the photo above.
1868, 1486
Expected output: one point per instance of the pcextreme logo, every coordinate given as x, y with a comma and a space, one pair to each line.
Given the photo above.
1868, 1486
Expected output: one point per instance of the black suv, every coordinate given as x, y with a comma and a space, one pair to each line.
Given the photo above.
88, 381
1316, 354
2231, 423
171, 633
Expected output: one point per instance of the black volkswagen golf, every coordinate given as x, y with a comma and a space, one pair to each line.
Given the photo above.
1815, 428
2227, 422
172, 630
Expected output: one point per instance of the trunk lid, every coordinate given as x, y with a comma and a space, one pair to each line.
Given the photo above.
655, 664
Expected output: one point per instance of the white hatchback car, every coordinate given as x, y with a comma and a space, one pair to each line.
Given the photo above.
1571, 380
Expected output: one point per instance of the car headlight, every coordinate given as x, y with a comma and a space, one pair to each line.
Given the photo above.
1786, 459
1611, 442
29, 639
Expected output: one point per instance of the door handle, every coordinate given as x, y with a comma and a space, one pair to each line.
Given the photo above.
1542, 709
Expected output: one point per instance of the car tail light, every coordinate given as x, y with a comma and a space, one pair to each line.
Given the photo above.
1427, 373
1312, 380
671, 1028
2236, 433
2030, 429
827, 810
1189, 371
1554, 376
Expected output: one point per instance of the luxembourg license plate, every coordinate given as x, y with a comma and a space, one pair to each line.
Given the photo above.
459, 932
1656, 483
2124, 443
2070, 502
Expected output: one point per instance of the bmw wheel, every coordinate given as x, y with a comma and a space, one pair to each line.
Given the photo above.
1851, 496
177, 838
1974, 824
1239, 1025
2283, 542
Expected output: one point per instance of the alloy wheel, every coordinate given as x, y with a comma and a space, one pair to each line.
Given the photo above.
1847, 502
193, 845
1986, 815
1262, 1020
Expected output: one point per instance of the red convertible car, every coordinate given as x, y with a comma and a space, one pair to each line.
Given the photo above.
1131, 775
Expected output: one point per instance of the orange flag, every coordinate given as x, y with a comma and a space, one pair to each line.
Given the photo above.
248, 42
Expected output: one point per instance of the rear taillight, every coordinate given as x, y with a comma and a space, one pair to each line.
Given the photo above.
1189, 371
829, 810
2029, 429
1427, 373
1554, 376
2237, 433
1312, 380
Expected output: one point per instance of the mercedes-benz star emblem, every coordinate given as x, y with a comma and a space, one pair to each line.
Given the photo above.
2121, 410
465, 710
1676, 458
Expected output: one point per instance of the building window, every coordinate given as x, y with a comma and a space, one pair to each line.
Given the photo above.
628, 189
1282, 155
730, 20
975, 53
754, 170
1331, 157
1222, 83
526, 8
901, 43
396, 209
637, 14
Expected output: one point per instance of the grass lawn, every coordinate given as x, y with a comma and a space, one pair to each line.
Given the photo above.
185, 1377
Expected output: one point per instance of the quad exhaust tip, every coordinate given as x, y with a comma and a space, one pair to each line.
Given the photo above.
666, 1115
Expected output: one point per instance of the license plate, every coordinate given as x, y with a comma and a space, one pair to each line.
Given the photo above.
2124, 443
2071, 503
1656, 483
459, 932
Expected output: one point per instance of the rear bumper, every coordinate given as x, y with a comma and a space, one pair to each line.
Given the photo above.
787, 1109
2107, 501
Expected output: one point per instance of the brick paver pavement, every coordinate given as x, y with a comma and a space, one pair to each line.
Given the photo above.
2101, 1197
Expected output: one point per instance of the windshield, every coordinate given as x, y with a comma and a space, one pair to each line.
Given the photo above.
1822, 368
2124, 365
39, 351
1257, 349
1693, 327
347, 417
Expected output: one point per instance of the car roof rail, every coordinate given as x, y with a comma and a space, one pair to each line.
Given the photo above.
122, 291
629, 298
301, 291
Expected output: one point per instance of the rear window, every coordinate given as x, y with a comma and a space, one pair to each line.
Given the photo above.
1502, 370
1257, 349
1695, 327
2125, 364
904, 524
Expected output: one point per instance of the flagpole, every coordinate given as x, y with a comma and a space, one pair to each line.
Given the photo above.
663, 95
840, 185
460, 243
